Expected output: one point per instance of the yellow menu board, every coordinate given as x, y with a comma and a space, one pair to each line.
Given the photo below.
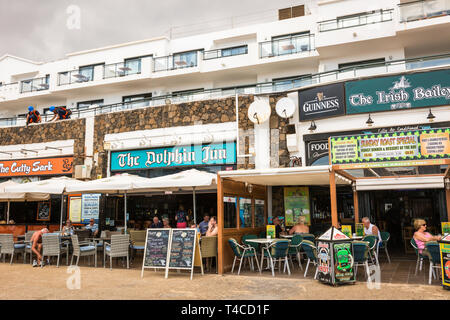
445, 227
347, 230
270, 231
359, 229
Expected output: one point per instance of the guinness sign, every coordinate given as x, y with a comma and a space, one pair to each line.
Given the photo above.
322, 102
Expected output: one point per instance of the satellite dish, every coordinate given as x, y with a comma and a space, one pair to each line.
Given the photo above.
259, 111
285, 107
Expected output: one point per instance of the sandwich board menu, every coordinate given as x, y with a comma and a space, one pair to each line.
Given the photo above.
172, 249
156, 249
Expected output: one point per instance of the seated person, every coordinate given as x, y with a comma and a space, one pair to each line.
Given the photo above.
421, 237
278, 228
93, 227
213, 229
203, 226
371, 229
36, 246
166, 223
300, 227
67, 230
156, 223
11, 222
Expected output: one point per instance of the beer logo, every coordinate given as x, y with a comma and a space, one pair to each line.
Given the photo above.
320, 96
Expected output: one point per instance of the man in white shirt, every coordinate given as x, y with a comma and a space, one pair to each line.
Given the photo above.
371, 229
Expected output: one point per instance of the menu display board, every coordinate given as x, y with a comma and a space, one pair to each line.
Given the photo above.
445, 227
43, 211
445, 263
359, 229
343, 262
296, 204
156, 248
75, 209
324, 262
182, 248
347, 230
391, 149
90, 206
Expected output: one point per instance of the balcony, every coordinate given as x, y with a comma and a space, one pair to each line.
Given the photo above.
176, 61
122, 69
425, 9
356, 20
227, 52
286, 46
74, 76
32, 85
9, 90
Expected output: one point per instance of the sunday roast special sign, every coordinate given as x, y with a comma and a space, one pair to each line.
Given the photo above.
390, 149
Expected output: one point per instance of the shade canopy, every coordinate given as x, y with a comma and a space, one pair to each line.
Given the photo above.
19, 195
184, 180
50, 186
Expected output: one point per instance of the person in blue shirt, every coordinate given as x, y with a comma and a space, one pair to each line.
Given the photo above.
203, 226
60, 113
156, 223
93, 227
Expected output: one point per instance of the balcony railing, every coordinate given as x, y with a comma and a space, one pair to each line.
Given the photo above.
9, 89
37, 84
176, 61
74, 76
258, 88
357, 20
121, 69
418, 10
227, 52
280, 47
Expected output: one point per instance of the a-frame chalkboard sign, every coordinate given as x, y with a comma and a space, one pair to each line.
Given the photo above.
156, 253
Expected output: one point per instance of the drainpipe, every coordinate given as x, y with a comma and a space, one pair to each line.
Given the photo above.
108, 169
238, 155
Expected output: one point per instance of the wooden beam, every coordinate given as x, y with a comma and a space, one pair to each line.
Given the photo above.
356, 206
333, 198
220, 221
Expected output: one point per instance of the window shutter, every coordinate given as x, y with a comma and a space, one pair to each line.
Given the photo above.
284, 14
298, 11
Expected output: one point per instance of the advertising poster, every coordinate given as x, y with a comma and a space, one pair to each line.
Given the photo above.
245, 212
296, 204
75, 209
324, 260
43, 211
404, 91
359, 229
445, 227
259, 213
90, 206
445, 258
343, 262
347, 230
270, 231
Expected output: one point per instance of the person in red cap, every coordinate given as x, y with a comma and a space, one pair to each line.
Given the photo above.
36, 246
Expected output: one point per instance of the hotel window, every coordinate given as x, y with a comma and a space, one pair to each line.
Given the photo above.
360, 64
185, 59
186, 92
137, 97
134, 64
88, 71
87, 104
292, 81
291, 12
234, 51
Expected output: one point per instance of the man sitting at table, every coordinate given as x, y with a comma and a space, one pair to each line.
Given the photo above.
156, 223
36, 246
204, 225
371, 229
300, 227
278, 228
93, 227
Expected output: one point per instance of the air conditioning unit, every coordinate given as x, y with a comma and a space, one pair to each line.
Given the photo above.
82, 171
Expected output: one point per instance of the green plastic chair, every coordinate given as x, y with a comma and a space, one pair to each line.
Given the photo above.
277, 252
294, 249
361, 256
240, 253
372, 240
251, 244
311, 252
385, 236
435, 258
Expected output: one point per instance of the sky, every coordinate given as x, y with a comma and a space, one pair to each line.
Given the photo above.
46, 30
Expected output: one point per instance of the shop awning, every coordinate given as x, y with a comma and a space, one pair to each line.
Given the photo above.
49, 186
309, 176
422, 182
19, 196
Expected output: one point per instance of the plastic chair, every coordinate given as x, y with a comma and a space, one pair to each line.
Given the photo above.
240, 253
245, 237
420, 256
435, 258
308, 237
277, 252
373, 241
262, 234
311, 252
51, 247
294, 249
7, 246
361, 256
385, 236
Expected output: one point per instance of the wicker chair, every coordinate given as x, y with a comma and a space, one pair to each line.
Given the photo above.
137, 241
51, 247
80, 251
119, 247
82, 236
28, 244
208, 249
7, 246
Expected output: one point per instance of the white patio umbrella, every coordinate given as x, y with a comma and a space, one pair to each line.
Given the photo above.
56, 185
192, 179
18, 196
119, 184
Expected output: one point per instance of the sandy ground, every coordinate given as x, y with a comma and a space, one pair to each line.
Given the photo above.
20, 281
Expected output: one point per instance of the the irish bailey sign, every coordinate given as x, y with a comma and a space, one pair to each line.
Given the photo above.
391, 149
416, 90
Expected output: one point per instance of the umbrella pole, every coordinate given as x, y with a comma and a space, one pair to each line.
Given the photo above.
7, 213
193, 200
61, 215
125, 208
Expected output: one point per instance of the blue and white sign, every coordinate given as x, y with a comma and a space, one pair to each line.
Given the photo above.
90, 207
193, 155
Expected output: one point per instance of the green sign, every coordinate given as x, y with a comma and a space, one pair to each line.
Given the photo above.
431, 144
406, 91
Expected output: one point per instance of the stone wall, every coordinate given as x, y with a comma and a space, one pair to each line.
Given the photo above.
46, 132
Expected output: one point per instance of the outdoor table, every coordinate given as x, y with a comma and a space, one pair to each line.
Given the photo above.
287, 236
264, 245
